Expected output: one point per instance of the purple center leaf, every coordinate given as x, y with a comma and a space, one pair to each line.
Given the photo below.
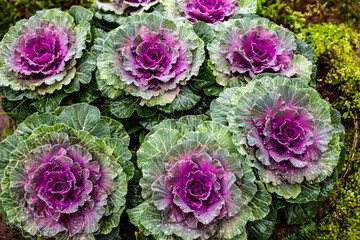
209, 11
196, 186
42, 52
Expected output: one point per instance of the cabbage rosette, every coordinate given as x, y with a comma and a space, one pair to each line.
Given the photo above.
151, 57
195, 184
292, 135
47, 52
209, 11
243, 48
65, 176
122, 7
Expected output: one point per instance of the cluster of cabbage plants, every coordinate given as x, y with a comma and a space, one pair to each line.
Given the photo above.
65, 175
227, 133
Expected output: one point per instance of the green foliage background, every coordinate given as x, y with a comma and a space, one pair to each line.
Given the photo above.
12, 11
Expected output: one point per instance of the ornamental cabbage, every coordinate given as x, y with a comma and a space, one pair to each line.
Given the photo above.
209, 11
151, 57
243, 48
65, 176
40, 54
121, 7
195, 184
292, 135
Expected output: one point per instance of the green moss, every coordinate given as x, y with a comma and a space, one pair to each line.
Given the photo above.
339, 215
282, 13
338, 64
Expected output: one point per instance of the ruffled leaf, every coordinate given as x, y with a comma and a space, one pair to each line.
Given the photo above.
86, 118
298, 213
122, 108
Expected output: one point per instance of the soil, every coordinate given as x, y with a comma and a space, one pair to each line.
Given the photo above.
9, 233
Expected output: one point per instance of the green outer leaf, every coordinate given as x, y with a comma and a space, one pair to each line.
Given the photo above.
50, 102
298, 213
18, 110
117, 130
85, 117
26, 128
158, 143
149, 123
100, 7
122, 108
204, 31
87, 94
191, 122
221, 106
213, 90
247, 6
285, 190
338, 127
204, 79
301, 67
6, 147
185, 100
248, 186
168, 124
278, 202
83, 75
170, 6
11, 208
99, 37
107, 90
127, 8
18, 95
114, 235
147, 216
327, 186
262, 229
307, 51
80, 14
221, 134
309, 192
116, 202
122, 156
259, 205
230, 228
145, 112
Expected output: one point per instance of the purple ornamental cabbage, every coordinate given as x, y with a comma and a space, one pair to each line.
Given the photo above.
209, 11
195, 184
243, 48
151, 57
292, 135
122, 7
63, 176
40, 54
